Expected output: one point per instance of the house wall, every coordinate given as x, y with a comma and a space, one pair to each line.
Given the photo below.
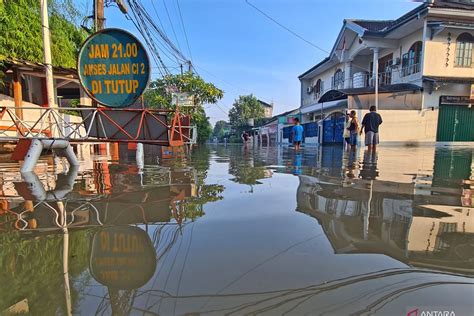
431, 100
326, 77
268, 111
440, 56
408, 127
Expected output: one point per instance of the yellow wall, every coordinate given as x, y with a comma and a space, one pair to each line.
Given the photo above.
424, 230
436, 56
409, 127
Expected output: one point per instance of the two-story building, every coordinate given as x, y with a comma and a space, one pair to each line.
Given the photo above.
425, 76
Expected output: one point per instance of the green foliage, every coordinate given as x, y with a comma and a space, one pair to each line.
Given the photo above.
203, 125
221, 129
32, 268
245, 108
203, 92
20, 26
159, 97
247, 171
193, 207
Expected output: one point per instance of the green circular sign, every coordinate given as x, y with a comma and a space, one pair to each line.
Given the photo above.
122, 257
113, 68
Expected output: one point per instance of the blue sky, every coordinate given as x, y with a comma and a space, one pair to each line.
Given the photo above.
242, 52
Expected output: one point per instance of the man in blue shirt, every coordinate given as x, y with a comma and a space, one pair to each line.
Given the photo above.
297, 134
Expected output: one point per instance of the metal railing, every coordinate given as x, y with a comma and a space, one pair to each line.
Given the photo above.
94, 125
410, 70
365, 79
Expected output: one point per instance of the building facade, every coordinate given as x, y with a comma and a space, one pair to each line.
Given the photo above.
267, 108
425, 74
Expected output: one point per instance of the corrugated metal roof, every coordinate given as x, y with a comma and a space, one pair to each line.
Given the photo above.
38, 67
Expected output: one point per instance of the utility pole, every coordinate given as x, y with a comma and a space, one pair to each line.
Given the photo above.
47, 53
190, 66
98, 23
99, 18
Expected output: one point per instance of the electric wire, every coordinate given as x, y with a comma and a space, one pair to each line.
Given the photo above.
286, 28
297, 35
155, 38
156, 56
171, 23
184, 30
157, 15
160, 32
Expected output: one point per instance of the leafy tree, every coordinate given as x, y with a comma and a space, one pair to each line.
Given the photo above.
20, 26
193, 207
159, 96
203, 125
245, 108
220, 129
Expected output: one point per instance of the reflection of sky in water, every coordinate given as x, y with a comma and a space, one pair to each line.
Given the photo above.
235, 230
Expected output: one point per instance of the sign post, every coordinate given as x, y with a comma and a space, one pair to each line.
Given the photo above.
113, 68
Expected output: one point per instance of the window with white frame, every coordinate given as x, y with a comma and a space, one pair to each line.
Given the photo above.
464, 44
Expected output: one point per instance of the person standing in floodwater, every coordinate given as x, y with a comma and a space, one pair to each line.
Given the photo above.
245, 137
353, 130
347, 134
297, 134
370, 124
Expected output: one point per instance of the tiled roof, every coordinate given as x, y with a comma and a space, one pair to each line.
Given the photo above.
454, 4
374, 26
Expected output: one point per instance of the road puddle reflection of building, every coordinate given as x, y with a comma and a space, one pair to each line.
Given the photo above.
318, 231
427, 222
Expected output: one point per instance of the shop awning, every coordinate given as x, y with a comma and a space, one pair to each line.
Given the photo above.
340, 94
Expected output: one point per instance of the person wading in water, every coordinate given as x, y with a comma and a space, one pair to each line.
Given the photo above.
370, 125
297, 133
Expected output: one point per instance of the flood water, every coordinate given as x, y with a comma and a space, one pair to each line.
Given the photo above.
239, 230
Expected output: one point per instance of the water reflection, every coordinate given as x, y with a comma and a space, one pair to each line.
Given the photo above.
323, 232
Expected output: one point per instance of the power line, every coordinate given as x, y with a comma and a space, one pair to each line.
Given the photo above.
218, 106
157, 15
184, 30
286, 28
155, 38
237, 88
297, 35
155, 55
171, 23
160, 32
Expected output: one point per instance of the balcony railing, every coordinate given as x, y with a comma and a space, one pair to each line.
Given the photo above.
365, 79
410, 70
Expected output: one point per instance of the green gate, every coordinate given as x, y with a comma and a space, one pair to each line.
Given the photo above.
455, 123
